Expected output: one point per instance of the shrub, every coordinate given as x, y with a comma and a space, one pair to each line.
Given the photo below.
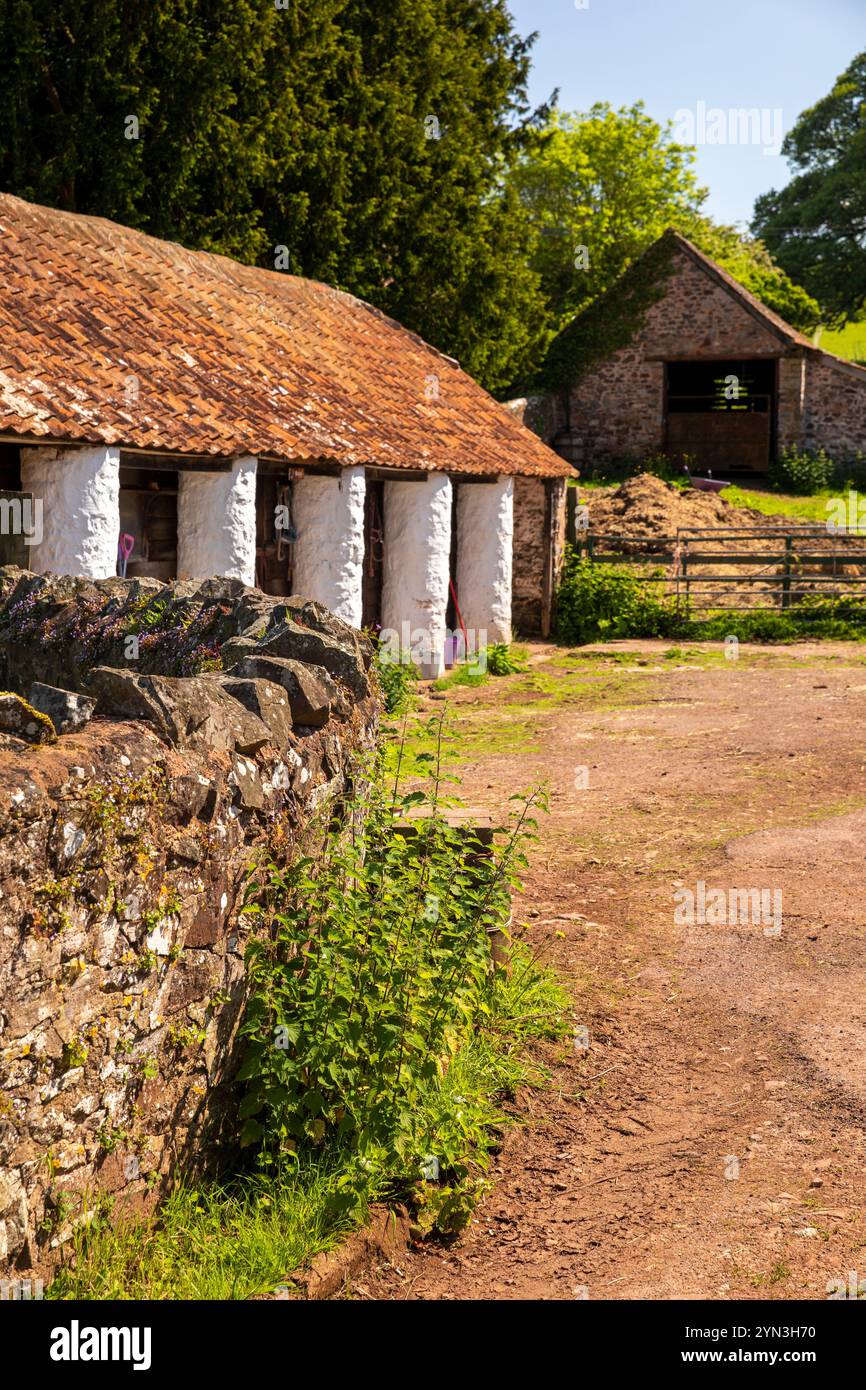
503, 660
398, 681
805, 471
852, 472
670, 468
811, 616
600, 602
373, 971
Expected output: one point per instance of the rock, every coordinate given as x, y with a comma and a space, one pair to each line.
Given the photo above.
340, 658
121, 695
20, 719
313, 695
199, 712
267, 700
307, 613
235, 649
192, 711
246, 778
67, 711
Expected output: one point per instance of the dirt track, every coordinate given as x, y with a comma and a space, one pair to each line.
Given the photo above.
710, 1144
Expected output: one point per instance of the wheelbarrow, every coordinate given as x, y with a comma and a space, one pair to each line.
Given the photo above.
708, 484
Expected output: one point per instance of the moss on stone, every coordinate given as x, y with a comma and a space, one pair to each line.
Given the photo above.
36, 715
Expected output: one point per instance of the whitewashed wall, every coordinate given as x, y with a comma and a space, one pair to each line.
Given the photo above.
485, 535
416, 567
328, 514
79, 492
216, 523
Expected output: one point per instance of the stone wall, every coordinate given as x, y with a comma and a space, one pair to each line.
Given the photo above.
125, 845
539, 540
835, 406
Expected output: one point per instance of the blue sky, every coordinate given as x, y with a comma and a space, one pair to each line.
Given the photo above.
774, 55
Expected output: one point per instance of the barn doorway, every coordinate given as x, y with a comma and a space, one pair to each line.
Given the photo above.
275, 533
148, 523
721, 414
374, 555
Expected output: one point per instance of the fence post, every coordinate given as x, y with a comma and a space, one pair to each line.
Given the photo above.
685, 570
786, 573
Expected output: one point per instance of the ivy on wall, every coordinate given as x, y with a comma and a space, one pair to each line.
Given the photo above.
611, 322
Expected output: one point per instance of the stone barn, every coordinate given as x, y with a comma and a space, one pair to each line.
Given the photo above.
678, 357
174, 414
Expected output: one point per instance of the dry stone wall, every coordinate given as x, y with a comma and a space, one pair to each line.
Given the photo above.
125, 846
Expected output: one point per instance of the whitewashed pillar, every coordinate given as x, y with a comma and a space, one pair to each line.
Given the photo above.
485, 535
76, 509
216, 524
416, 569
328, 515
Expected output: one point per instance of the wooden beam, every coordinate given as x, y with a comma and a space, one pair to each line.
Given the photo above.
396, 475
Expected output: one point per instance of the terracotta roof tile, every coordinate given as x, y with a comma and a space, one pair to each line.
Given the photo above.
227, 359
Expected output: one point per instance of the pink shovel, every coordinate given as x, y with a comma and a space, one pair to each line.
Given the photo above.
125, 547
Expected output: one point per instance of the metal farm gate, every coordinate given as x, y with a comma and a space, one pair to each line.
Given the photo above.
748, 568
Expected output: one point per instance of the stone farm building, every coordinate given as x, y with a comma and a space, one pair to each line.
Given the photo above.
679, 357
243, 422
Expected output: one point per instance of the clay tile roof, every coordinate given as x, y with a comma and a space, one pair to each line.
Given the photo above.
108, 335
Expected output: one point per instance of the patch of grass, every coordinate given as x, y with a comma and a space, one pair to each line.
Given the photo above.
848, 342
500, 659
842, 620
207, 1242
465, 673
490, 733
808, 509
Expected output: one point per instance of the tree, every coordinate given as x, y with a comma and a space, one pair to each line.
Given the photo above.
600, 188
368, 140
750, 262
138, 110
816, 226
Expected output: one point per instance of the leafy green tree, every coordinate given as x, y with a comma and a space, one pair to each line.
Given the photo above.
140, 111
413, 214
750, 262
600, 188
816, 226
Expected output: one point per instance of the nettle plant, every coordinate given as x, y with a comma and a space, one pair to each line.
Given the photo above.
371, 969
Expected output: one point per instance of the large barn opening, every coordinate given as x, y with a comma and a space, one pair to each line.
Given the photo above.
721, 414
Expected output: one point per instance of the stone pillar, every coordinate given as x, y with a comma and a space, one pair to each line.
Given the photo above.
328, 515
485, 532
416, 569
76, 509
216, 524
